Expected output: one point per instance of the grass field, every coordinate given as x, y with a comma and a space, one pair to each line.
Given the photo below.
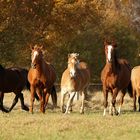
53, 125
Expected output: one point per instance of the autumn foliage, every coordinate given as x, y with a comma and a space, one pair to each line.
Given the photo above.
65, 26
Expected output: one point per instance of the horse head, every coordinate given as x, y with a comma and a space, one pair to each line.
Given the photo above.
73, 63
110, 48
36, 55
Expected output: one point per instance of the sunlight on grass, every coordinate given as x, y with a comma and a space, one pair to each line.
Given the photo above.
55, 125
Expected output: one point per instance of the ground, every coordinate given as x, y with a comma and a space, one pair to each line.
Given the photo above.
53, 125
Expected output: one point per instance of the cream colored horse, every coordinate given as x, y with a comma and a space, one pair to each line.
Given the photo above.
75, 79
135, 80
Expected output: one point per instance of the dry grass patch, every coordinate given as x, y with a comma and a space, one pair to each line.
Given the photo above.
55, 125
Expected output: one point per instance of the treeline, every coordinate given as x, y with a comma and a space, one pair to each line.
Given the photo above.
65, 26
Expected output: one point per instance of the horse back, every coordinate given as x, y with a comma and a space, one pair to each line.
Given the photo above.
124, 73
84, 73
12, 79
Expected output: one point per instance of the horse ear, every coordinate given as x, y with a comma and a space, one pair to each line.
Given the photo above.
31, 47
114, 44
105, 42
77, 54
69, 55
41, 47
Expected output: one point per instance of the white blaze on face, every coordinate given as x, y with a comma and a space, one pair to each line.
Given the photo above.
34, 56
109, 52
72, 70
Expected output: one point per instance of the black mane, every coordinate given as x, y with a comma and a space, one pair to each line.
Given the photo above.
1, 68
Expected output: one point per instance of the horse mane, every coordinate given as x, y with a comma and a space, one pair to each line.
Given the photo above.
2, 69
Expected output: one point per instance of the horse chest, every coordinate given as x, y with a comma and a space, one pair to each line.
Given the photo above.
111, 81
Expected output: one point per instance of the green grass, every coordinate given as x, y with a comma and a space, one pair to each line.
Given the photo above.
53, 125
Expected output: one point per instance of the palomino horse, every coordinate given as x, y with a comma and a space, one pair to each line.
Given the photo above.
41, 77
115, 77
135, 80
74, 79
13, 80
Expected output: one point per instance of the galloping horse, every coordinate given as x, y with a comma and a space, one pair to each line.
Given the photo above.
13, 80
41, 77
115, 77
74, 79
135, 80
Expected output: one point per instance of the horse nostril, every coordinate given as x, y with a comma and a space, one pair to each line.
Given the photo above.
72, 74
33, 65
110, 60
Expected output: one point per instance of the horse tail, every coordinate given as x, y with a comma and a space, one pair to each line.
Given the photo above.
130, 92
54, 96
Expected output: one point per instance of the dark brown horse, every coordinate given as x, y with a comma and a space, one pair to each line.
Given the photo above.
115, 77
41, 77
135, 80
13, 80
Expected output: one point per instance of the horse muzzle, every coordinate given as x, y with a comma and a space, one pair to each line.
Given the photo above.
72, 75
109, 61
33, 65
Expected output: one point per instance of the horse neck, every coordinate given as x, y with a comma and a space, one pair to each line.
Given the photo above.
112, 67
40, 66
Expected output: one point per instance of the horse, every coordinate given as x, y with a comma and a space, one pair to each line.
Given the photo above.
75, 79
13, 80
135, 81
115, 77
41, 77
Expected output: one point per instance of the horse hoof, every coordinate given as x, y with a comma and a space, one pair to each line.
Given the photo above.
6, 111
31, 111
116, 113
25, 108
63, 110
111, 114
134, 109
81, 112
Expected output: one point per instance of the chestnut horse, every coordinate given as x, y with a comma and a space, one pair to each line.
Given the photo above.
41, 77
74, 79
13, 80
115, 77
135, 80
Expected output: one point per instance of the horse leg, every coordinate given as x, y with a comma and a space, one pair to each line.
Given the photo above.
134, 100
1, 103
39, 95
47, 95
44, 100
23, 106
70, 108
121, 99
82, 105
110, 107
105, 92
115, 93
139, 102
54, 96
138, 94
42, 104
32, 89
63, 93
69, 102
